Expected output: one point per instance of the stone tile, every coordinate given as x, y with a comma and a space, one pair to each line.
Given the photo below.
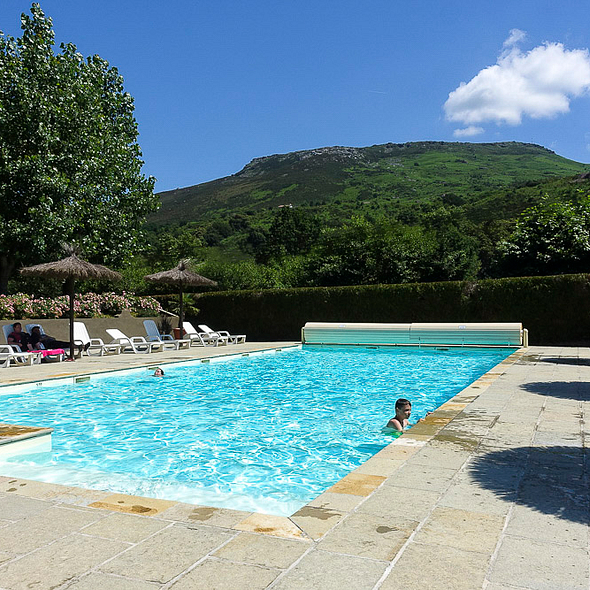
357, 484
263, 550
79, 496
400, 450
422, 477
33, 489
17, 507
320, 570
470, 531
133, 504
412, 438
221, 575
339, 502
39, 529
494, 586
95, 581
168, 553
392, 501
553, 495
440, 455
221, 517
379, 466
474, 498
315, 522
540, 566
440, 568
368, 535
557, 439
464, 441
267, 524
552, 528
57, 563
125, 527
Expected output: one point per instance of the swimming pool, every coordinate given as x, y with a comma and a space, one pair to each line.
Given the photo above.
264, 433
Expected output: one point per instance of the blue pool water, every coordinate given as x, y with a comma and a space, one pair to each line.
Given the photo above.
266, 433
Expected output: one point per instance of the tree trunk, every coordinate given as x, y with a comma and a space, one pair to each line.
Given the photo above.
6, 267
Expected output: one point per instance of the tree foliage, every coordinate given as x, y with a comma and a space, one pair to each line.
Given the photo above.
551, 238
70, 164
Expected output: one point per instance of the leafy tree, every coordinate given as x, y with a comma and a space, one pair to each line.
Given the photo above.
70, 165
551, 238
291, 232
168, 246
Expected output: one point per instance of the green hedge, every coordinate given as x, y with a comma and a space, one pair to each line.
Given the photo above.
555, 309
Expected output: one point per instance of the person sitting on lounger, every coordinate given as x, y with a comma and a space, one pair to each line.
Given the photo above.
403, 410
39, 341
19, 338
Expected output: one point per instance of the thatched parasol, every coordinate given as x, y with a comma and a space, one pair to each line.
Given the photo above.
181, 276
70, 269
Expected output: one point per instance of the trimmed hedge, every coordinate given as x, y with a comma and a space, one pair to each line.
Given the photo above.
555, 309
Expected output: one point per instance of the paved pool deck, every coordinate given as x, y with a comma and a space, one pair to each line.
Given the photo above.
490, 491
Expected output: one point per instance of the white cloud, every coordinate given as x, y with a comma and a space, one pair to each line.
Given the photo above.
515, 36
468, 131
538, 83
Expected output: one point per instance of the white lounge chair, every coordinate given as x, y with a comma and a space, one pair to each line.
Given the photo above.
153, 335
136, 344
82, 338
7, 329
197, 338
12, 355
234, 339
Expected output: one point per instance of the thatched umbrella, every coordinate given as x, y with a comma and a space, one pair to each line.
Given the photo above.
181, 277
70, 269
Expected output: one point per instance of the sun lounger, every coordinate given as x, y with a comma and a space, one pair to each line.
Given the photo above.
55, 355
11, 355
135, 344
224, 334
82, 338
153, 335
197, 338
7, 329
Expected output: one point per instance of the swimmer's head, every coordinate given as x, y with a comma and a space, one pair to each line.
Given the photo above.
403, 407
158, 372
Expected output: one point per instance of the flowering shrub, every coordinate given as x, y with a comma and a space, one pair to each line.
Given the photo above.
88, 305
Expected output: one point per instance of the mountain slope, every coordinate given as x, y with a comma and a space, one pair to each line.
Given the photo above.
380, 177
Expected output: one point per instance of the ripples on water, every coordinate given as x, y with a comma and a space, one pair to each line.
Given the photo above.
265, 433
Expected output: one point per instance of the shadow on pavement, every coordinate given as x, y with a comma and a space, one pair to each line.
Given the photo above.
564, 360
574, 390
551, 480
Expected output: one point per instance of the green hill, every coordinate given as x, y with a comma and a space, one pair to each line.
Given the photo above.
381, 178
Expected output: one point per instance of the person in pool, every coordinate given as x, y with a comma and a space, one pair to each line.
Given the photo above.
403, 410
158, 372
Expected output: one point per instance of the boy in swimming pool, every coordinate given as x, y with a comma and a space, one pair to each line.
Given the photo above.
403, 410
158, 372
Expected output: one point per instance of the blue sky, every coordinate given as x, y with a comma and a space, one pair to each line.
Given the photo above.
217, 83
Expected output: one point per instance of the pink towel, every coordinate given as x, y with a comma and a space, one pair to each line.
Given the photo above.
53, 352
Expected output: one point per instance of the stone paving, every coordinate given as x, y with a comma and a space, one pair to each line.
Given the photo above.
490, 491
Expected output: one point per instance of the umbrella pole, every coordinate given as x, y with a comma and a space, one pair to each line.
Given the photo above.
181, 315
70, 285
